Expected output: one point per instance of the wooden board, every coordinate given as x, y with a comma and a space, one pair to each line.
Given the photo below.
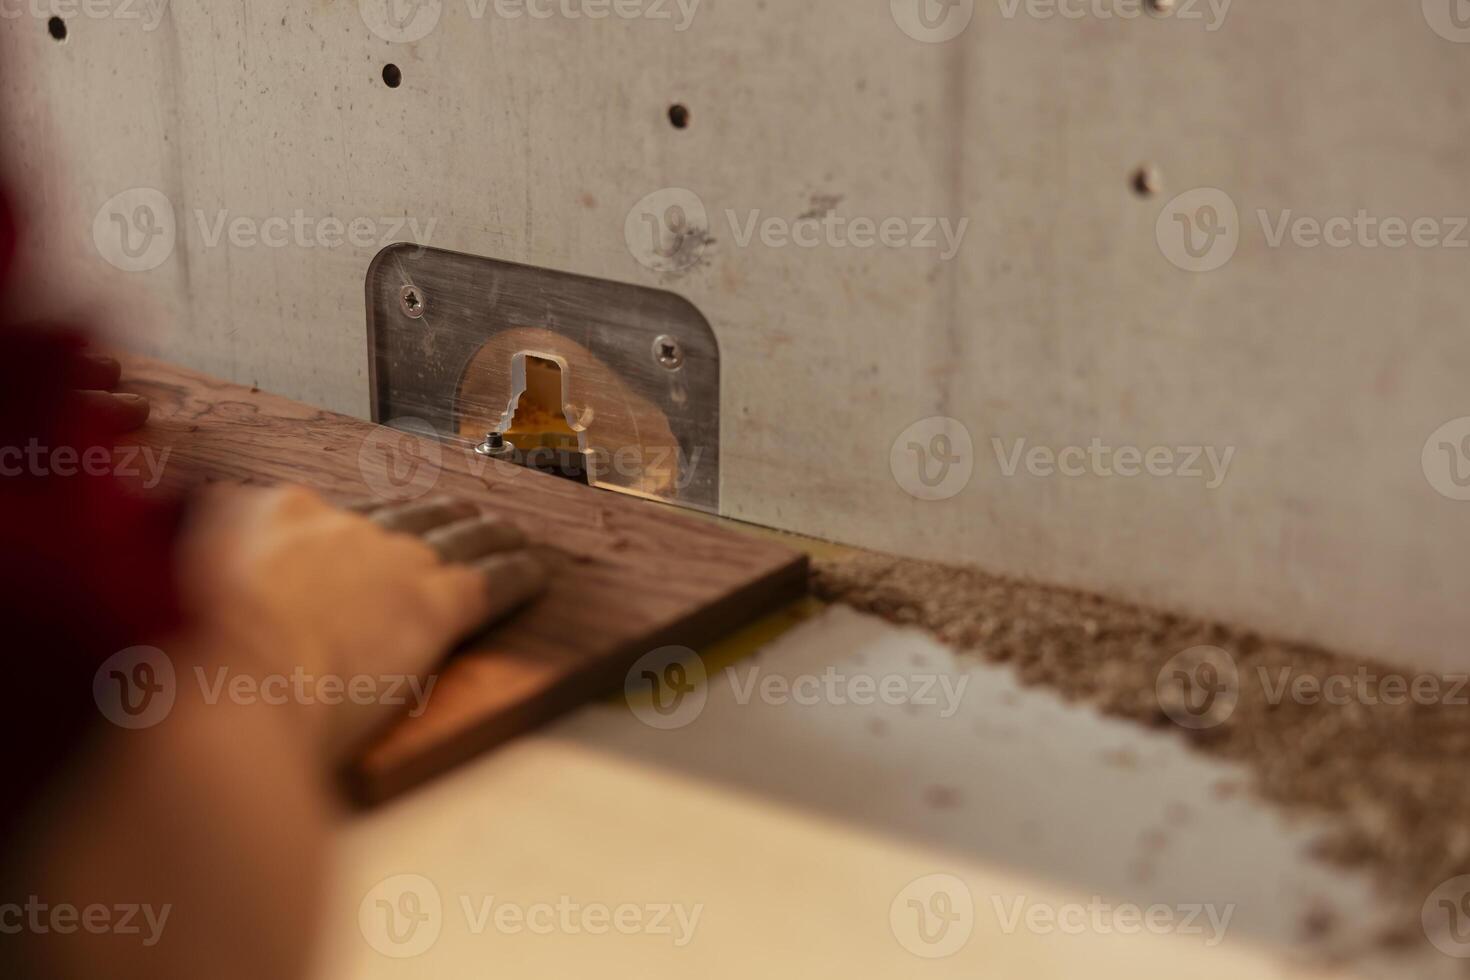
639, 576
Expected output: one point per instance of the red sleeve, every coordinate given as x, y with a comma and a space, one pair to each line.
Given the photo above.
85, 563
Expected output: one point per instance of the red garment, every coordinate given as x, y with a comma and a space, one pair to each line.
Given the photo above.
86, 565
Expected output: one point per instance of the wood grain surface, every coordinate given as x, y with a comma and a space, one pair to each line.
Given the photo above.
635, 576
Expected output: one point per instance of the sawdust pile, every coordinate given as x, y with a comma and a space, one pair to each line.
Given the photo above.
1387, 771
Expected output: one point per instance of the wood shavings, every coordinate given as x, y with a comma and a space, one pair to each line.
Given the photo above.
1387, 778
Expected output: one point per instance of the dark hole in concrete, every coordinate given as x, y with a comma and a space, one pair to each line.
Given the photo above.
1147, 181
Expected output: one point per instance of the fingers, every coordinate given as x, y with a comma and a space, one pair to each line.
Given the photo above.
115, 413
487, 573
93, 378
483, 593
421, 518
96, 372
466, 541
512, 580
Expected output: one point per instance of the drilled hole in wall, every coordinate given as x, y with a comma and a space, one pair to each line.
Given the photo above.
1147, 181
392, 76
679, 116
57, 27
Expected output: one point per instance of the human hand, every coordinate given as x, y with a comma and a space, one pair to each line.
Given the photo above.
94, 380
280, 581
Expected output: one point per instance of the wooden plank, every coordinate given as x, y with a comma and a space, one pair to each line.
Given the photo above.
637, 576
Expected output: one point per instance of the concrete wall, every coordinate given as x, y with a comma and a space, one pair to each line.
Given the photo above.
1070, 311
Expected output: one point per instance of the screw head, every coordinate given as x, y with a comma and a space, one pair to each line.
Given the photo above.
496, 446
668, 353
411, 301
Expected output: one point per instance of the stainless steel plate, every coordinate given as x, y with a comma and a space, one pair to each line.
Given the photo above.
450, 337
